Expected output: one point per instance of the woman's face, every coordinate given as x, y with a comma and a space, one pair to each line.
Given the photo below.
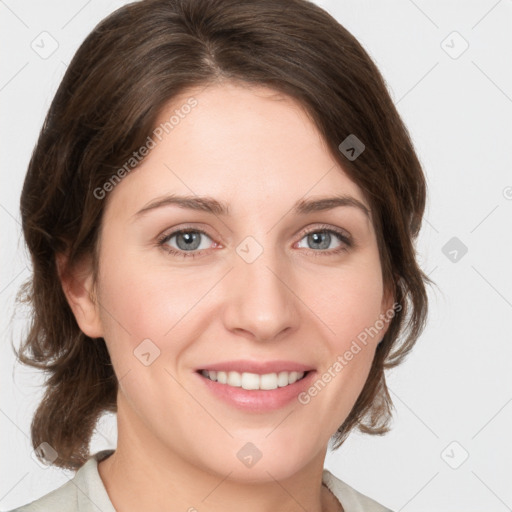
269, 287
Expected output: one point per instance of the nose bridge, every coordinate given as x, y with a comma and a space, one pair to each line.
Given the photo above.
261, 302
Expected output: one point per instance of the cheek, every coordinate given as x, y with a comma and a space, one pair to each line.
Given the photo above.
351, 308
350, 303
145, 295
139, 304
147, 330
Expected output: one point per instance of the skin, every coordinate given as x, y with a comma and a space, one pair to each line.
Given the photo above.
177, 443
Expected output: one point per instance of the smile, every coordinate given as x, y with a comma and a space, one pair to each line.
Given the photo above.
254, 381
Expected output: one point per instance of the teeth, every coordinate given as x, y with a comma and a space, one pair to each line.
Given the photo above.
251, 381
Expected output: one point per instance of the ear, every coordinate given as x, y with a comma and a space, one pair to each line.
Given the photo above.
387, 309
388, 300
78, 287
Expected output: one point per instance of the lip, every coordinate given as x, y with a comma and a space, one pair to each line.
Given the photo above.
257, 400
260, 367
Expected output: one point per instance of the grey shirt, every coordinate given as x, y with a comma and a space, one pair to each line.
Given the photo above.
85, 492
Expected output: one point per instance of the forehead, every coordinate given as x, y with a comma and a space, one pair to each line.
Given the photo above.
249, 146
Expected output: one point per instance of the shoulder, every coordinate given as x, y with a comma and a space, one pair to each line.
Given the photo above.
83, 493
62, 499
351, 499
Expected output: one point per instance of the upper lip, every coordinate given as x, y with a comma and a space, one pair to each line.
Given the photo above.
261, 367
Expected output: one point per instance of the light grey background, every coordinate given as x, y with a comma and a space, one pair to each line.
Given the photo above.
453, 394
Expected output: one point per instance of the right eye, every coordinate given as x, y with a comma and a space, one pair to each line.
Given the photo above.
188, 242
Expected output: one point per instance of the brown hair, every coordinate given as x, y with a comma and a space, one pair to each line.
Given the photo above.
126, 70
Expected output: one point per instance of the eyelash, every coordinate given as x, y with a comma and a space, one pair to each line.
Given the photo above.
320, 229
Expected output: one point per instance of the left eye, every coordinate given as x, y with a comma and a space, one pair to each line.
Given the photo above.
321, 239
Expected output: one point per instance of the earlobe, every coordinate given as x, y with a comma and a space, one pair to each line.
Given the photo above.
78, 287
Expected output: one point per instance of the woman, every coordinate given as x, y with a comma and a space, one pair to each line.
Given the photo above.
221, 211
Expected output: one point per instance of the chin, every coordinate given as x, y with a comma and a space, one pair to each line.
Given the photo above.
262, 460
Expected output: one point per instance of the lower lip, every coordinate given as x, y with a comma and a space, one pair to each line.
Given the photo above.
258, 400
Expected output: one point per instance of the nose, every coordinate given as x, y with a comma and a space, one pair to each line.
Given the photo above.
261, 304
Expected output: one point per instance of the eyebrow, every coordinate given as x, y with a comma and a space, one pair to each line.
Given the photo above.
211, 205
